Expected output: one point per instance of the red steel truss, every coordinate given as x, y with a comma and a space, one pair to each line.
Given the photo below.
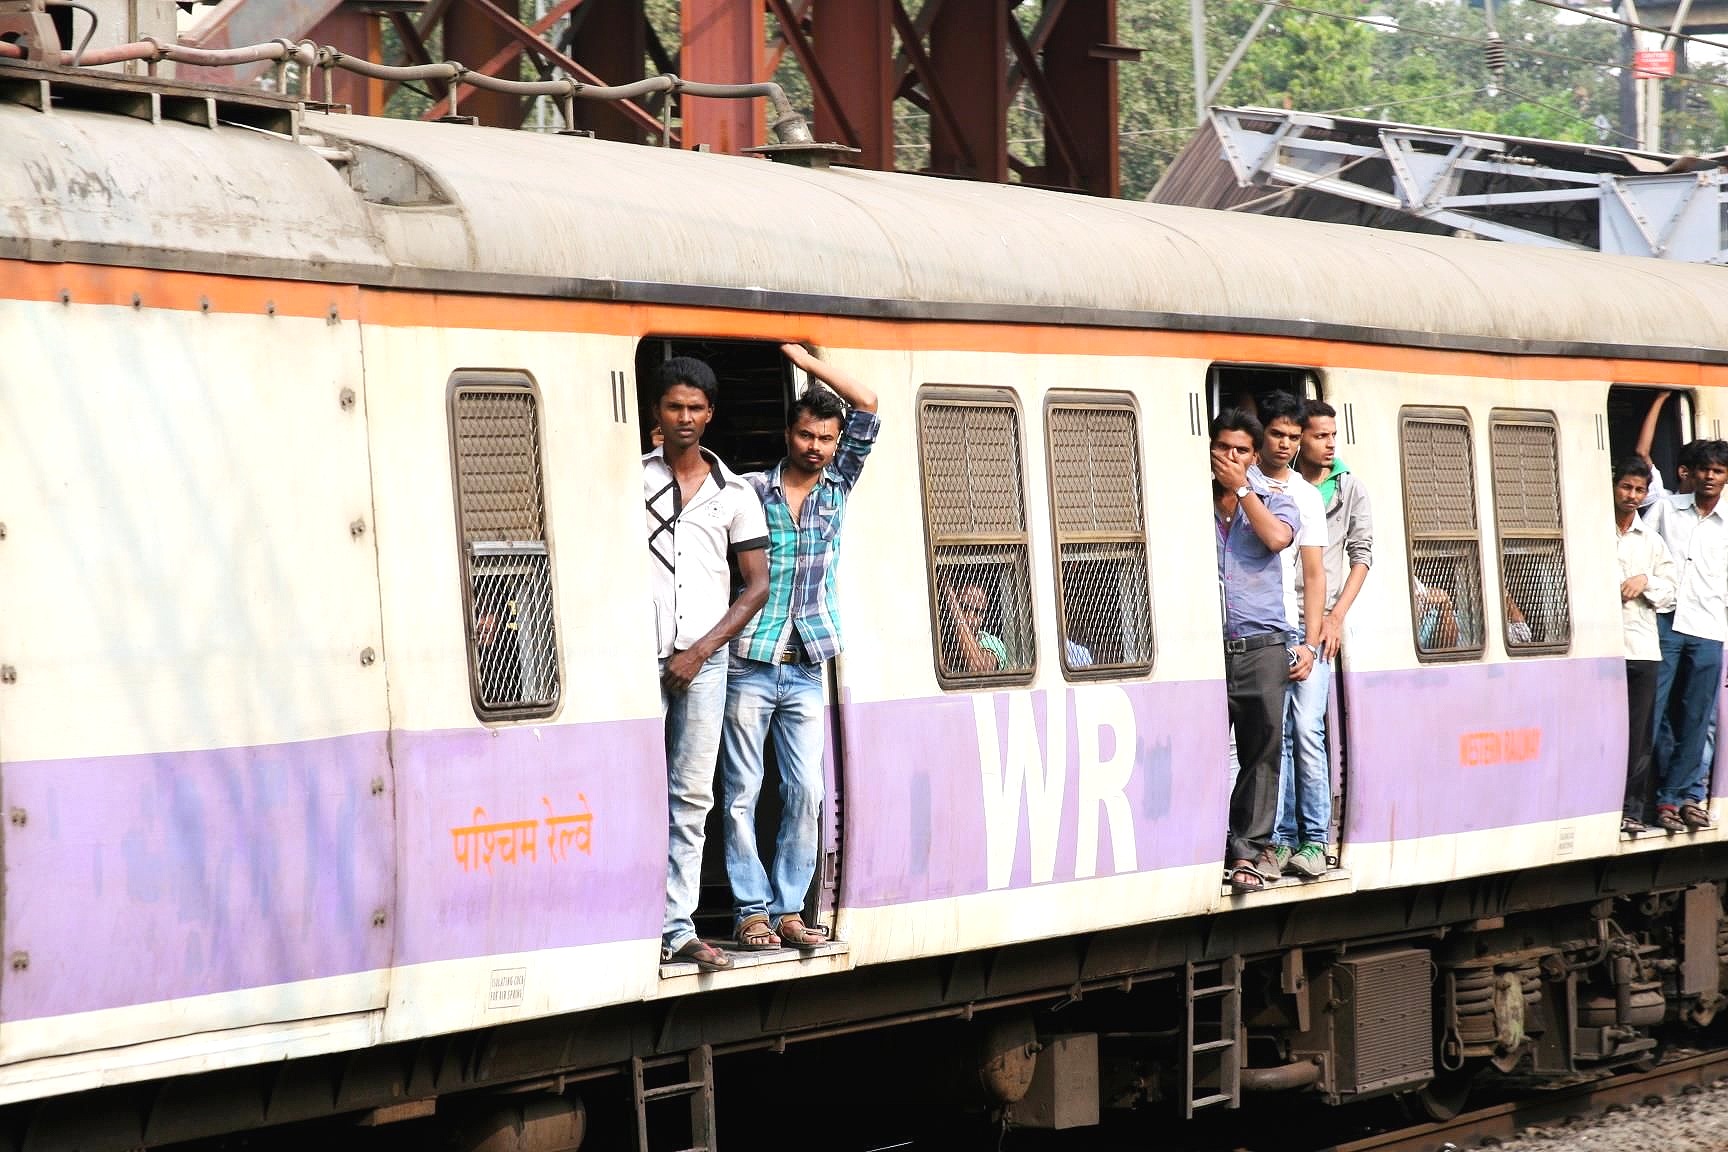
971, 67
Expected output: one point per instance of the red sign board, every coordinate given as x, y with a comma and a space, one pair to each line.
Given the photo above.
1652, 62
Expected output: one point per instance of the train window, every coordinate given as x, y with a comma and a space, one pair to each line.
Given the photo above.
1445, 539
1526, 458
975, 524
1243, 385
506, 561
1103, 602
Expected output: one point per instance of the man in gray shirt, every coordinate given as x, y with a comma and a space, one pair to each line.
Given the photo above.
1305, 809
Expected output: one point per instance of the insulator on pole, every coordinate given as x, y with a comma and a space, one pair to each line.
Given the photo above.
1494, 55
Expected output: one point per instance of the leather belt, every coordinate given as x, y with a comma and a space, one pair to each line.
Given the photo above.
792, 655
1237, 645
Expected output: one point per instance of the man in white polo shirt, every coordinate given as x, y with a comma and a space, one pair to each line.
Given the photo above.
699, 512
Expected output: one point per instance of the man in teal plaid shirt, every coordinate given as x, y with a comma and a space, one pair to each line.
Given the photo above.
774, 679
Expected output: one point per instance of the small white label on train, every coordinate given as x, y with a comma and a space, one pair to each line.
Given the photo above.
1566, 841
506, 987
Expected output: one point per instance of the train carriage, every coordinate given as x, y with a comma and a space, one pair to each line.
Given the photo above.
329, 720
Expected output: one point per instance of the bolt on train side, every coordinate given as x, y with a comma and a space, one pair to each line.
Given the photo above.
330, 743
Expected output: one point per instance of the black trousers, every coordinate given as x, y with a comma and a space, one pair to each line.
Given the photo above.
1640, 735
1257, 682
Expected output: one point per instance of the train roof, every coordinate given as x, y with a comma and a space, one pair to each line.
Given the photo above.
395, 202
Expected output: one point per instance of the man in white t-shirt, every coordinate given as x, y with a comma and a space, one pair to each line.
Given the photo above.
698, 512
1305, 705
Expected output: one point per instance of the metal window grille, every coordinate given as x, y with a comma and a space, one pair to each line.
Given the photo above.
500, 507
1526, 459
1103, 598
1445, 537
975, 518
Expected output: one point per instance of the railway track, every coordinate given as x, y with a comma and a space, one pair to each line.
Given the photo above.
1582, 1101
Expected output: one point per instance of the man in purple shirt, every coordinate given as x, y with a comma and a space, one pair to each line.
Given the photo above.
1254, 524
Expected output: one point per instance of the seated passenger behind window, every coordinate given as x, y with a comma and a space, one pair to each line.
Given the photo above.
1517, 627
1437, 627
497, 638
974, 650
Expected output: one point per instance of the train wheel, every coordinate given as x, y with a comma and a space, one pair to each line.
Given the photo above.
1444, 1097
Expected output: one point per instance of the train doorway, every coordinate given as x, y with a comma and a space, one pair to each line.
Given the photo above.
1656, 421
1251, 387
757, 386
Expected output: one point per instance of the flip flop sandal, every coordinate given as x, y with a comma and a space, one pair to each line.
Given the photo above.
754, 935
1670, 820
704, 955
797, 934
1244, 878
1694, 816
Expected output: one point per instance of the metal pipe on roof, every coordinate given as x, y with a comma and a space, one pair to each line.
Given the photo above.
789, 126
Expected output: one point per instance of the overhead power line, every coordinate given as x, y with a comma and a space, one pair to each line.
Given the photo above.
1478, 42
1631, 24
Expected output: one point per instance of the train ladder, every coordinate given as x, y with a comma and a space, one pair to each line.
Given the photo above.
697, 1086
1211, 1062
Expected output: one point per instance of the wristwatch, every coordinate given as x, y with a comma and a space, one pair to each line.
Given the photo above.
1242, 492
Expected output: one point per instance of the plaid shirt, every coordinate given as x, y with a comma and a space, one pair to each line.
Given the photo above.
802, 558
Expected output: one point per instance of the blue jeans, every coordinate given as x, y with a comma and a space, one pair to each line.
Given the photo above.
783, 701
1305, 776
693, 723
1685, 697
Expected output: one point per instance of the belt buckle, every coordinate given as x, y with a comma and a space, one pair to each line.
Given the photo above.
788, 656
1236, 646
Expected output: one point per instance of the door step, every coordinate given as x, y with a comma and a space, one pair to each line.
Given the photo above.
743, 960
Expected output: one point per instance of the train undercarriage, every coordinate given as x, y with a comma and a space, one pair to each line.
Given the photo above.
1419, 995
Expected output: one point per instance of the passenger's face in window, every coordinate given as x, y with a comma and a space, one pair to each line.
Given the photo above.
1707, 479
683, 413
1283, 438
811, 442
1320, 441
1234, 445
973, 605
1629, 492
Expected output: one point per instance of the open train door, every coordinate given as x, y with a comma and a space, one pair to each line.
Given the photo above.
1246, 386
757, 387
1656, 422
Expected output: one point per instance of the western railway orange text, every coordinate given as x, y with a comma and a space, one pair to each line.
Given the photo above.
1511, 746
478, 843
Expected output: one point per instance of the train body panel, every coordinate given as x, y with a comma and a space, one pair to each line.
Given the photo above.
212, 824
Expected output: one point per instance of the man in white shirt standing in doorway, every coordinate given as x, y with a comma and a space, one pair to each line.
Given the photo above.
1303, 851
698, 512
1646, 588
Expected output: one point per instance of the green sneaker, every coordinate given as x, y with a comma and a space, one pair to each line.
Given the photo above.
1310, 861
1280, 857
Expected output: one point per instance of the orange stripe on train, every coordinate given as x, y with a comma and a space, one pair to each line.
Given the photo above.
404, 308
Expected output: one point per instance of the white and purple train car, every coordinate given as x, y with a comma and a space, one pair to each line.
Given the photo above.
296, 424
